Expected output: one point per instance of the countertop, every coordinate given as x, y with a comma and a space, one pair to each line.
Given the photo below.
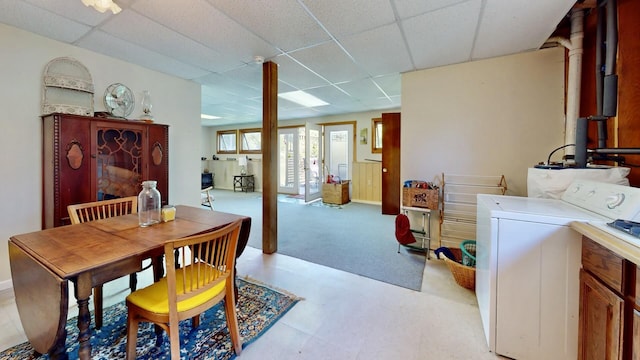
623, 248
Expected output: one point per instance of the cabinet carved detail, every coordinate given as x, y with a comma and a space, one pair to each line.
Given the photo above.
75, 154
156, 154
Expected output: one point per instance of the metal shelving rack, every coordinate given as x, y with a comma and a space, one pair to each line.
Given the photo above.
458, 205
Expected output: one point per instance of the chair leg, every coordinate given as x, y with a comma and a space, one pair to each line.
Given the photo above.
132, 335
97, 305
232, 319
133, 282
195, 321
174, 340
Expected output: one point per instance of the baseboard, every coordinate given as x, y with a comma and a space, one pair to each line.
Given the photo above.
366, 202
6, 285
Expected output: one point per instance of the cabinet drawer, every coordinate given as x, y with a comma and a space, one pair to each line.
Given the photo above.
603, 263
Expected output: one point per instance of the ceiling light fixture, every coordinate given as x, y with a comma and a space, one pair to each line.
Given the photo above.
303, 98
209, 117
103, 5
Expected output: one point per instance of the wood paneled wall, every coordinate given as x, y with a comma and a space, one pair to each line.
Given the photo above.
624, 129
367, 182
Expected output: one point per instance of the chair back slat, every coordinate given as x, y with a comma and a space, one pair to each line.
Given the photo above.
205, 261
98, 210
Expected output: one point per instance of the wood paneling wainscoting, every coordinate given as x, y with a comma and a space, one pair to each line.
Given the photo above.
367, 182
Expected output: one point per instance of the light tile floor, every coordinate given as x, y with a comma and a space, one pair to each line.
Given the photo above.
342, 316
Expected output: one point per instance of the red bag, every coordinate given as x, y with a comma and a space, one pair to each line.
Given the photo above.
403, 230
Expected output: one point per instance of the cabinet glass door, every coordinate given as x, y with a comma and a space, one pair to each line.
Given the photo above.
119, 162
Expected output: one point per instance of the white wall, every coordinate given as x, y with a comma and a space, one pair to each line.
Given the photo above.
493, 117
24, 55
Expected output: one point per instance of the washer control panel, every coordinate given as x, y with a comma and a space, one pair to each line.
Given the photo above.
610, 200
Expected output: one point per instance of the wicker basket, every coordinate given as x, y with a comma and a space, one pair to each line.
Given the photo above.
465, 276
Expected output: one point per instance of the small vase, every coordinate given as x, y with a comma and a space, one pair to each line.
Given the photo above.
149, 201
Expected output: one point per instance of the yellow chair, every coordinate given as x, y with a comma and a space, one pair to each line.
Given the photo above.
97, 210
186, 292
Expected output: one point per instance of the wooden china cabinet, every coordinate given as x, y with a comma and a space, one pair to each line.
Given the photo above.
91, 159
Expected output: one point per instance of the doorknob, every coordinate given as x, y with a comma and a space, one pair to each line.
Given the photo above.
384, 169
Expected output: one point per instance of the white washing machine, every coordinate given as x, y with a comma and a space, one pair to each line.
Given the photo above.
528, 262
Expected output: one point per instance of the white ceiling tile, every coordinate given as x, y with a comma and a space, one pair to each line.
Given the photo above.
343, 18
411, 8
507, 27
106, 44
41, 21
208, 26
365, 48
331, 94
330, 61
283, 23
444, 36
68, 9
391, 84
296, 75
132, 27
362, 89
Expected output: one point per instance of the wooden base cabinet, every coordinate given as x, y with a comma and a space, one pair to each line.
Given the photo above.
609, 317
601, 320
91, 159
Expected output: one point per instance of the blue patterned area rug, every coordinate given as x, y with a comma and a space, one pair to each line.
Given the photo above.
258, 308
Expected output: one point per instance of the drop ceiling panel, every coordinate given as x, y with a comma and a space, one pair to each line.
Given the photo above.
70, 11
391, 84
362, 89
343, 18
296, 75
331, 94
43, 22
411, 8
329, 61
525, 31
284, 24
444, 36
106, 44
370, 50
148, 34
249, 75
207, 26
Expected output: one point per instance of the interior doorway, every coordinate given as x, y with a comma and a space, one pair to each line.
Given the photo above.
300, 161
338, 144
303, 165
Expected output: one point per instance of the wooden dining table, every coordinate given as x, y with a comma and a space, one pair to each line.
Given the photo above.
90, 254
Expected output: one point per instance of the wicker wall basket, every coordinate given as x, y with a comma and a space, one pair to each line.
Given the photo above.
465, 276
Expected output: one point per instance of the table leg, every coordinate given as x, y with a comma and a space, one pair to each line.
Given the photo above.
82, 293
84, 334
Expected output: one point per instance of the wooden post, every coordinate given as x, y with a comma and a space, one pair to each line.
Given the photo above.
269, 157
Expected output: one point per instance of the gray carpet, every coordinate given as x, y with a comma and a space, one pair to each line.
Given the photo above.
353, 237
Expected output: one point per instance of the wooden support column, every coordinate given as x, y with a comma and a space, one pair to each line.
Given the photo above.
269, 157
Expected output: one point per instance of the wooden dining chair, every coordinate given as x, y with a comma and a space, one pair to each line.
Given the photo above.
187, 292
97, 210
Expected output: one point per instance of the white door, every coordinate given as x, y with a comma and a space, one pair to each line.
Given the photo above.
338, 151
312, 162
288, 161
